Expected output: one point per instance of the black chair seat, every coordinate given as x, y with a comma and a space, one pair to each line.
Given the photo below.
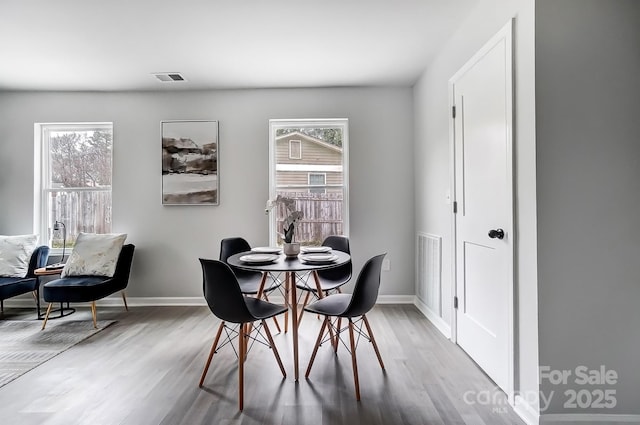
263, 310
78, 289
12, 286
249, 284
333, 305
325, 284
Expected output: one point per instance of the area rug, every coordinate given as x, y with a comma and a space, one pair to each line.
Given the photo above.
23, 346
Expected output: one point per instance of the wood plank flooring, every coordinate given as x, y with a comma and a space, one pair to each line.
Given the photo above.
145, 369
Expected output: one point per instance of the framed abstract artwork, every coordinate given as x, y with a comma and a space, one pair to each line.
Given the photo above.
190, 163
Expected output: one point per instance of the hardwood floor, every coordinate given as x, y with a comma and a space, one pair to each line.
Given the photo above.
145, 369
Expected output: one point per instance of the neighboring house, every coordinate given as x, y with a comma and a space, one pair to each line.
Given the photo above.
308, 163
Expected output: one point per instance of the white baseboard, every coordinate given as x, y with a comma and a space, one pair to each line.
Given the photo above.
526, 412
116, 300
437, 321
586, 418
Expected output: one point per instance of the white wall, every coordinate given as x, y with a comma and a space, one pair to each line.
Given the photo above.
588, 104
169, 239
432, 164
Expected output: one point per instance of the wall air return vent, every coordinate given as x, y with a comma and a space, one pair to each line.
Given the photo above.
169, 76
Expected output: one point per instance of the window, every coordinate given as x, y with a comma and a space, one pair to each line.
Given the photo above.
317, 181
295, 149
73, 168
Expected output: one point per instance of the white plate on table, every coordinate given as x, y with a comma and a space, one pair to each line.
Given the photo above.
315, 249
259, 258
318, 258
267, 249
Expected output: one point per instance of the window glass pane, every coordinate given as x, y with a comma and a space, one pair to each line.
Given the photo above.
80, 158
315, 181
80, 211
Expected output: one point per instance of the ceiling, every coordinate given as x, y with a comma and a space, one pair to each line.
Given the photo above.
116, 45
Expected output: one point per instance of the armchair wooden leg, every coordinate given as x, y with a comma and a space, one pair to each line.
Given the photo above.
325, 323
241, 355
273, 347
46, 316
353, 360
213, 350
373, 340
94, 314
124, 298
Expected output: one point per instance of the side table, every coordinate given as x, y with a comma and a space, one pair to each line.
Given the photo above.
64, 311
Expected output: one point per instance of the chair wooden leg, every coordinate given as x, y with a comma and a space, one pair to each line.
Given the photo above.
304, 303
337, 342
94, 314
275, 319
124, 298
46, 316
273, 347
315, 349
353, 360
213, 350
373, 340
241, 356
277, 325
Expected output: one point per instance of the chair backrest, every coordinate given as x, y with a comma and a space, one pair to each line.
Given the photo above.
222, 292
231, 246
38, 259
343, 272
123, 266
365, 293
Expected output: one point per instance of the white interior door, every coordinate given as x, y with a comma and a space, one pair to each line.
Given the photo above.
481, 94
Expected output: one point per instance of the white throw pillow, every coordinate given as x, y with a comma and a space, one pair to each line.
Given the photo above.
15, 254
94, 255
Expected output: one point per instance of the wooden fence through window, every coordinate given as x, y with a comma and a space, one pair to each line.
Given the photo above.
322, 216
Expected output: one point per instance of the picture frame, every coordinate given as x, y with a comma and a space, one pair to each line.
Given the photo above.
190, 162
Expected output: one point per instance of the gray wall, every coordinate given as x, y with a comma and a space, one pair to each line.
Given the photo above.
170, 239
432, 164
588, 153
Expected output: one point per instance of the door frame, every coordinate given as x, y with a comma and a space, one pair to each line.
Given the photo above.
506, 34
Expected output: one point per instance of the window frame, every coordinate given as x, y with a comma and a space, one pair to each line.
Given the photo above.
42, 167
316, 186
277, 124
291, 142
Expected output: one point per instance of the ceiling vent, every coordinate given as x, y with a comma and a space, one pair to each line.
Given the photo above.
169, 76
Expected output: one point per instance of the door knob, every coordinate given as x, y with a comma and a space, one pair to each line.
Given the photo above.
496, 233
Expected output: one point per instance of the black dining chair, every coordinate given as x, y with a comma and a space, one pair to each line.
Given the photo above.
354, 308
225, 300
330, 279
249, 281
